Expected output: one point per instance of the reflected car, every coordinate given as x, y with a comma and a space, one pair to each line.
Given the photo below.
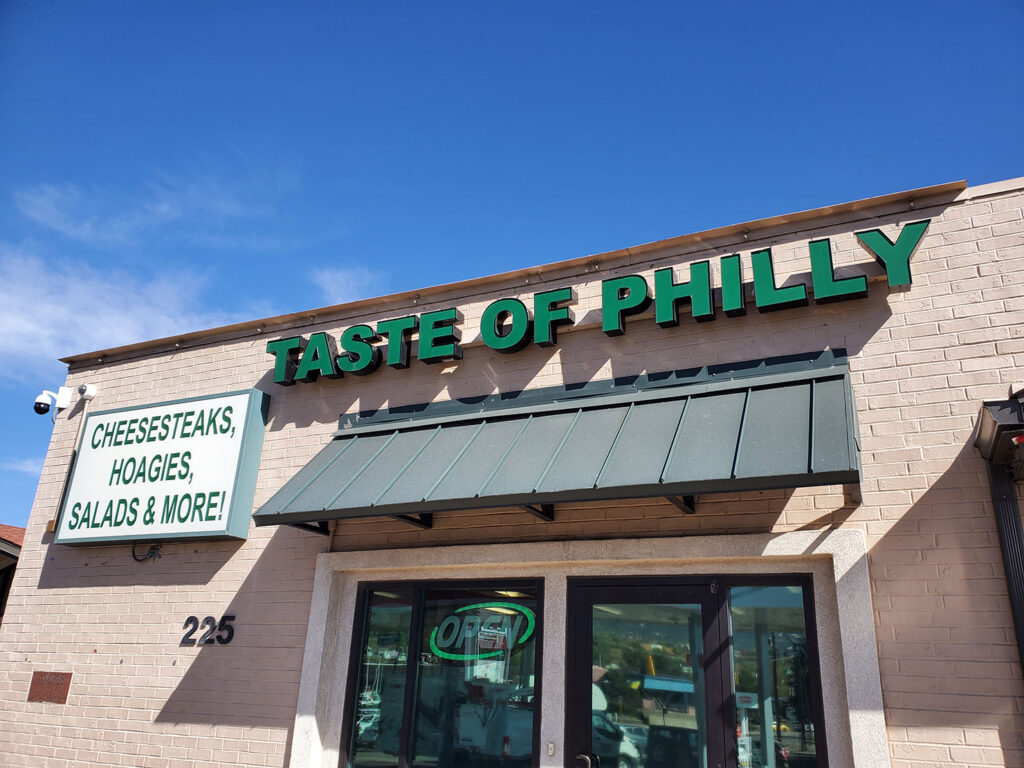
638, 735
610, 743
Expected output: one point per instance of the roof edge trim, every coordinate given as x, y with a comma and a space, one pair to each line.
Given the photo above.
955, 190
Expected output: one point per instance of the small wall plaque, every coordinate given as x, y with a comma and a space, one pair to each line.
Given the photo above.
51, 687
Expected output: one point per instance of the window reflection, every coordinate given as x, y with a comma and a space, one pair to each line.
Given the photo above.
378, 718
771, 678
648, 707
475, 704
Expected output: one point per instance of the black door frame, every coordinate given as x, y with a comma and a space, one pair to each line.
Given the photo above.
418, 589
584, 592
711, 592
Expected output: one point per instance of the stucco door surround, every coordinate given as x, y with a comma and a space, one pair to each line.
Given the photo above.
836, 561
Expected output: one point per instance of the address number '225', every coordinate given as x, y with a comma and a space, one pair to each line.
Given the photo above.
223, 629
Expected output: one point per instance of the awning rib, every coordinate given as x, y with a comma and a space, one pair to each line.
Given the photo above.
558, 451
751, 433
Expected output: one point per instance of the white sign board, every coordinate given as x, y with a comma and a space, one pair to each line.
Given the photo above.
746, 700
184, 469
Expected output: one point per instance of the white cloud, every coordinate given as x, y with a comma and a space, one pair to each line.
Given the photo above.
189, 208
53, 308
342, 284
63, 209
25, 466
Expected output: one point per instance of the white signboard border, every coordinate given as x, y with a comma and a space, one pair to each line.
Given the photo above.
239, 514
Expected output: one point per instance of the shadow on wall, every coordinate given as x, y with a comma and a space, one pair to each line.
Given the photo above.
252, 681
113, 566
947, 647
136, 628
325, 400
584, 356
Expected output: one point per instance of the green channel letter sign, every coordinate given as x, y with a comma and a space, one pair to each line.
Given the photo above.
482, 631
176, 470
510, 324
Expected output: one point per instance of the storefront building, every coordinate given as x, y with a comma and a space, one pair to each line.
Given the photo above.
746, 497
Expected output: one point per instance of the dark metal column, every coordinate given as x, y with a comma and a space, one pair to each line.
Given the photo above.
1011, 542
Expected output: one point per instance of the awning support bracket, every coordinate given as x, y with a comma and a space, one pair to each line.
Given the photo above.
687, 504
545, 512
424, 520
321, 527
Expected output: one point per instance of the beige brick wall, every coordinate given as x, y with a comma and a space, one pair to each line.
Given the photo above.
922, 361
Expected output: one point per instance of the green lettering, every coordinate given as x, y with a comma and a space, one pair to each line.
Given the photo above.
398, 332
359, 355
505, 325
212, 504
170, 509
439, 336
183, 514
211, 421
823, 279
668, 294
895, 257
115, 472
108, 516
318, 359
734, 299
198, 505
622, 296
767, 297
119, 434
121, 512
286, 358
140, 473
548, 315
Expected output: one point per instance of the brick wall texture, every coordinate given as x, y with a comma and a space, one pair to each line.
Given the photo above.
922, 362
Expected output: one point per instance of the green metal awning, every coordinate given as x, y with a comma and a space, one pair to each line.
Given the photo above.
780, 430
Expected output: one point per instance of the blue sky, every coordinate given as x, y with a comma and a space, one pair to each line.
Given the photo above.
166, 167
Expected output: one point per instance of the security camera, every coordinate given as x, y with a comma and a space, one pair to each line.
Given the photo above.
42, 404
87, 391
61, 399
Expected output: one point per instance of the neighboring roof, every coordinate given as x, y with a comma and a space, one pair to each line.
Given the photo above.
779, 430
13, 534
914, 198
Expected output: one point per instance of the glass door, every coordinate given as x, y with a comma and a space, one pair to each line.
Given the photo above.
445, 674
646, 686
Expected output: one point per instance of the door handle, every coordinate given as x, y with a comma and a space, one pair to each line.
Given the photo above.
592, 760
